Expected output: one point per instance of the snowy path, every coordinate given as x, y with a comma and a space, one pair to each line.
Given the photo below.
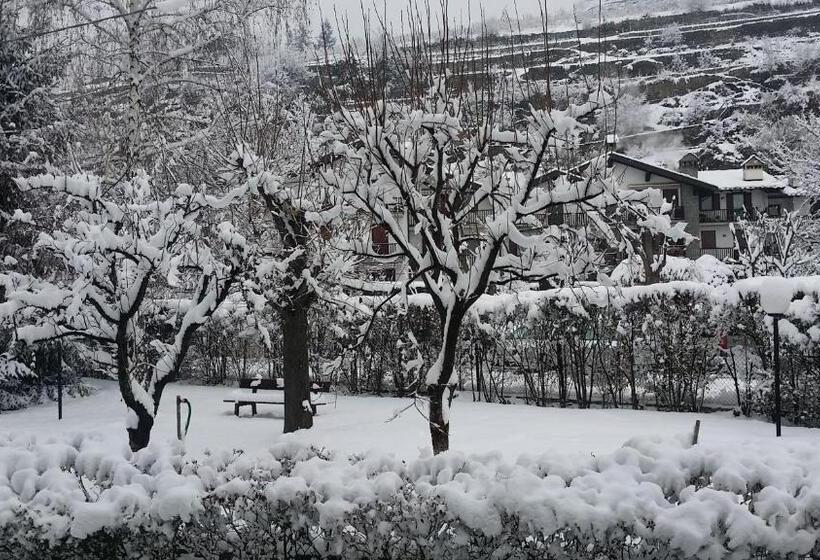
358, 424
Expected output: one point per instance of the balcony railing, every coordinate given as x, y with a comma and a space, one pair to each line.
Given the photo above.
721, 253
479, 217
385, 248
721, 215
571, 219
732, 215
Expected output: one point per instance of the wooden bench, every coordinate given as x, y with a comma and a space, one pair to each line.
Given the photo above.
255, 397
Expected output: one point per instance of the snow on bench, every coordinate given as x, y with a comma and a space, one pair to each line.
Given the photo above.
273, 393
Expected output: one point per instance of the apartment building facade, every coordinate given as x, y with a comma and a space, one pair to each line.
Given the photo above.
708, 201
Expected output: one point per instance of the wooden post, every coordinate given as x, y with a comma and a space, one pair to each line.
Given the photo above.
696, 433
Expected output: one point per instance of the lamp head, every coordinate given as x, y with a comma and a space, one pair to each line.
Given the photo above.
775, 295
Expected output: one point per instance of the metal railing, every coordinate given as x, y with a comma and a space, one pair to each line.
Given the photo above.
475, 217
571, 219
733, 214
384, 248
720, 253
721, 215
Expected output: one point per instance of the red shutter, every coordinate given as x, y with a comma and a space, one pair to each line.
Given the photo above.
378, 234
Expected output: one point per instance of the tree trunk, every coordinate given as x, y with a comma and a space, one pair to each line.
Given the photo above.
651, 274
140, 435
139, 432
439, 419
439, 422
296, 372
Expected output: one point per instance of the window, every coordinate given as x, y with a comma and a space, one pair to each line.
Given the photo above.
708, 239
671, 195
647, 177
707, 203
380, 238
740, 202
740, 238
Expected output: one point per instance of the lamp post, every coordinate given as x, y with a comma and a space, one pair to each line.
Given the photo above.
776, 332
775, 298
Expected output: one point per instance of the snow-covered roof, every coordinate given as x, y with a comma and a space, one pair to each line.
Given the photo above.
665, 163
673, 175
751, 158
732, 180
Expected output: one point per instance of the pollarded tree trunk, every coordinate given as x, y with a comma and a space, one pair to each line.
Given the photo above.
651, 249
439, 423
296, 371
140, 434
441, 393
139, 421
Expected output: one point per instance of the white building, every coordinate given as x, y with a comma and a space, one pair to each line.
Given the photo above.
708, 201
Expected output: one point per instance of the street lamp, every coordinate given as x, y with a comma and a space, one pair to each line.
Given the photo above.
775, 298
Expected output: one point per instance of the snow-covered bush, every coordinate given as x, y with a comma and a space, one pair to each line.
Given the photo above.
685, 344
627, 116
670, 36
650, 499
799, 390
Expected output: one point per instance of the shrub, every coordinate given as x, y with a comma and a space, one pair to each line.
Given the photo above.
649, 499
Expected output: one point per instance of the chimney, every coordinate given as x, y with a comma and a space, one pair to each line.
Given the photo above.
688, 165
612, 142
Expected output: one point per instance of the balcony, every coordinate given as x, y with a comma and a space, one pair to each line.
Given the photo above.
721, 253
476, 217
723, 215
571, 219
385, 248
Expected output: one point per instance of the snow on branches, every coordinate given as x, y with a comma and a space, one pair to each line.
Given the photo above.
292, 265
472, 192
139, 278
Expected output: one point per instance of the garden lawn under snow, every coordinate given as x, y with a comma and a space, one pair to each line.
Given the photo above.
360, 424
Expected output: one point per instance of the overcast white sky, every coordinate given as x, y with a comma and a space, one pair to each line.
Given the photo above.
459, 9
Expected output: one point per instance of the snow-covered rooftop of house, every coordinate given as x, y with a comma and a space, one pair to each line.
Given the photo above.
732, 179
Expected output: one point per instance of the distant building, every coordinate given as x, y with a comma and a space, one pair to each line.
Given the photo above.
708, 201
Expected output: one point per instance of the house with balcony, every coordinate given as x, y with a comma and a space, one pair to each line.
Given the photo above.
709, 200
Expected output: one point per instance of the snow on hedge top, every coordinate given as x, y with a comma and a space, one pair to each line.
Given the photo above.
702, 501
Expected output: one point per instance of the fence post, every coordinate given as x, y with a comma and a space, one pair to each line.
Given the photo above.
696, 433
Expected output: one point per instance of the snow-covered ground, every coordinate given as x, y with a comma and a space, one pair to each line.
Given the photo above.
359, 424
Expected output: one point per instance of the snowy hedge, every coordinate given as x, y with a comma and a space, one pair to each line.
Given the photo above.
649, 499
